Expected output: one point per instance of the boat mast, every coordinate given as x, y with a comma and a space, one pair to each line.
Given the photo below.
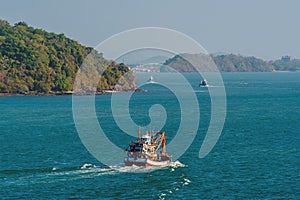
163, 143
139, 134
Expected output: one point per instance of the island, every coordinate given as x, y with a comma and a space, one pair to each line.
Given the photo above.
36, 62
229, 63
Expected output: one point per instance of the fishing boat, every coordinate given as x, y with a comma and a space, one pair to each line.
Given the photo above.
145, 151
203, 83
151, 79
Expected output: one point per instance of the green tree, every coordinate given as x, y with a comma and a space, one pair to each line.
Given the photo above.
36, 61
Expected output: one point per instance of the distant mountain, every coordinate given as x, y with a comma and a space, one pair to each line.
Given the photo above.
154, 59
286, 65
228, 63
238, 63
220, 53
151, 60
34, 61
187, 63
152, 64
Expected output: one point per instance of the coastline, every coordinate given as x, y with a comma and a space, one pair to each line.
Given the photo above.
278, 71
68, 93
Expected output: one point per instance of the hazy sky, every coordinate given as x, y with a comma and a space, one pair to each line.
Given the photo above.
264, 28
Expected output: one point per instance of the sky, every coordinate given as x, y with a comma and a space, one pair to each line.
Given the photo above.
266, 29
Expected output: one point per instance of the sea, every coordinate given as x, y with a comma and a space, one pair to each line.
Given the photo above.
256, 156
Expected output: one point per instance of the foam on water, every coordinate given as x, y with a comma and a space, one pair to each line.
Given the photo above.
141, 169
175, 187
87, 166
177, 164
56, 174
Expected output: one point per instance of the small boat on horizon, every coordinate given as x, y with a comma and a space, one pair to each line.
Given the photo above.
151, 80
203, 83
144, 151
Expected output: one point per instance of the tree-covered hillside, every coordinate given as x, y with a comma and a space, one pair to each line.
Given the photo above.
224, 63
286, 65
229, 63
34, 61
238, 63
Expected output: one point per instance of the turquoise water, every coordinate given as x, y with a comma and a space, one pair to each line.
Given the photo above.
256, 157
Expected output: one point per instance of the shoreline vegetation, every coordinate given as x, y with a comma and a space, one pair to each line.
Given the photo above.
34, 62
231, 63
69, 93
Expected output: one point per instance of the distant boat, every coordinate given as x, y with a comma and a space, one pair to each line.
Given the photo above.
151, 79
203, 83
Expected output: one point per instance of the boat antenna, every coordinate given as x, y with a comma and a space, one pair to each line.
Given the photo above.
139, 133
163, 143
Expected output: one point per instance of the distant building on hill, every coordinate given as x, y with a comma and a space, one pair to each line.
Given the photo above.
286, 58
